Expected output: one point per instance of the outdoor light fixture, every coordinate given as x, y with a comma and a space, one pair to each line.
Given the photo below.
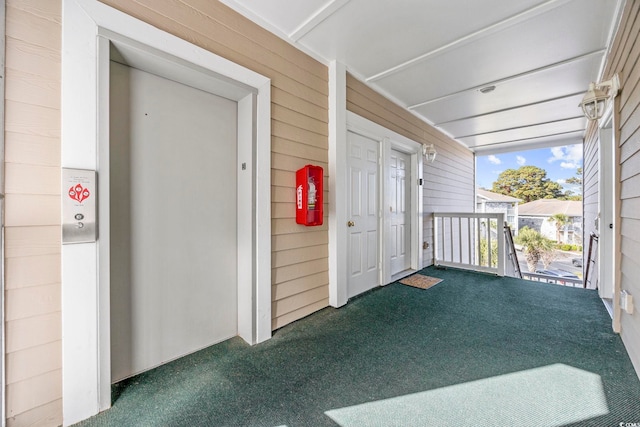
429, 151
594, 102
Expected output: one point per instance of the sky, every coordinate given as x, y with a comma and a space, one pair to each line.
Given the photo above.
559, 162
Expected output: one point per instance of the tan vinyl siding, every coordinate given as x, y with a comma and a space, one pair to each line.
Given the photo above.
625, 60
299, 133
32, 264
448, 182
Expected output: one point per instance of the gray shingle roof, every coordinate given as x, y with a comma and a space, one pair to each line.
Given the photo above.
495, 197
548, 207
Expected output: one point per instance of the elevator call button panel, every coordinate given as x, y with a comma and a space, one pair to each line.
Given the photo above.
79, 204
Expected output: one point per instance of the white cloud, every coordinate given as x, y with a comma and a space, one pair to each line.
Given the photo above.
493, 159
521, 160
569, 165
561, 181
570, 154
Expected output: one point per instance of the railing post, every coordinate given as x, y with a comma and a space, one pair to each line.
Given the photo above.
436, 230
501, 245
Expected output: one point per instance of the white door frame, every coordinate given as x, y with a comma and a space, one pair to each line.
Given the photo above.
338, 240
414, 150
89, 30
605, 258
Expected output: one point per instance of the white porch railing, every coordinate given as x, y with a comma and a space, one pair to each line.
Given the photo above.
472, 241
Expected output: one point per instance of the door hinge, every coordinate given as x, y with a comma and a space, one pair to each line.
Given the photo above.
420, 181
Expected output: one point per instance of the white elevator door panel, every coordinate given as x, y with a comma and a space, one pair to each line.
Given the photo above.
400, 215
173, 220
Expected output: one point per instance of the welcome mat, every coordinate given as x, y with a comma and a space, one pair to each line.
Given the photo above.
420, 281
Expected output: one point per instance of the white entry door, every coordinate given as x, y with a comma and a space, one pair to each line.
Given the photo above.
399, 237
173, 220
362, 226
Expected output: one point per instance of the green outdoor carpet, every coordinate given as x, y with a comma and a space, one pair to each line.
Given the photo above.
480, 351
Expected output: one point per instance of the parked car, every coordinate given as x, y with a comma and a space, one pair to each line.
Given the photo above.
559, 274
577, 262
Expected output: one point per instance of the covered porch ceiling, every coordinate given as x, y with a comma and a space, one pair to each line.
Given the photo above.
496, 75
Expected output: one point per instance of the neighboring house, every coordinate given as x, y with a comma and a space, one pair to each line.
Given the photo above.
537, 215
490, 202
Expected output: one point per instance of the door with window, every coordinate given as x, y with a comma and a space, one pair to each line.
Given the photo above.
399, 233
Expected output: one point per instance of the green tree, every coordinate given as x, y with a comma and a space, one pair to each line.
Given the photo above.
534, 245
576, 180
527, 183
560, 221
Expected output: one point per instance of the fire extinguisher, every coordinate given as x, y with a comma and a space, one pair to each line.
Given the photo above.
309, 195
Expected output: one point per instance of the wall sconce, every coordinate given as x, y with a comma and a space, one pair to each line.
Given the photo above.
594, 102
429, 151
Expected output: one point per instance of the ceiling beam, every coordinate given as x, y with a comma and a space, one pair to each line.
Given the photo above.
484, 32
512, 78
317, 18
550, 122
517, 107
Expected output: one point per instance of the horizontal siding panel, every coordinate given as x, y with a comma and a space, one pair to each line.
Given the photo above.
296, 286
282, 178
33, 331
300, 240
33, 29
283, 210
630, 188
49, 414
32, 59
32, 119
34, 392
25, 210
296, 118
630, 147
631, 208
24, 272
34, 361
32, 89
300, 135
32, 301
289, 163
296, 271
50, 10
630, 271
309, 153
630, 168
630, 229
287, 226
31, 241
291, 101
32, 179
292, 303
630, 124
284, 320
298, 255
32, 149
283, 194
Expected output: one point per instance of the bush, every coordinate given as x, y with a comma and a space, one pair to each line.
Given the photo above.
566, 247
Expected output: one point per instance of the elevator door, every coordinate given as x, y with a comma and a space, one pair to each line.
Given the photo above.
172, 218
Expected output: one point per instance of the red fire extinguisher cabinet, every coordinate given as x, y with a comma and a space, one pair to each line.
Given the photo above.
309, 195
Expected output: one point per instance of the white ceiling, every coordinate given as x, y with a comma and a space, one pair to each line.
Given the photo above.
433, 57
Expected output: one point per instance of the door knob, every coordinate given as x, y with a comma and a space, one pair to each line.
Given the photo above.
350, 224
